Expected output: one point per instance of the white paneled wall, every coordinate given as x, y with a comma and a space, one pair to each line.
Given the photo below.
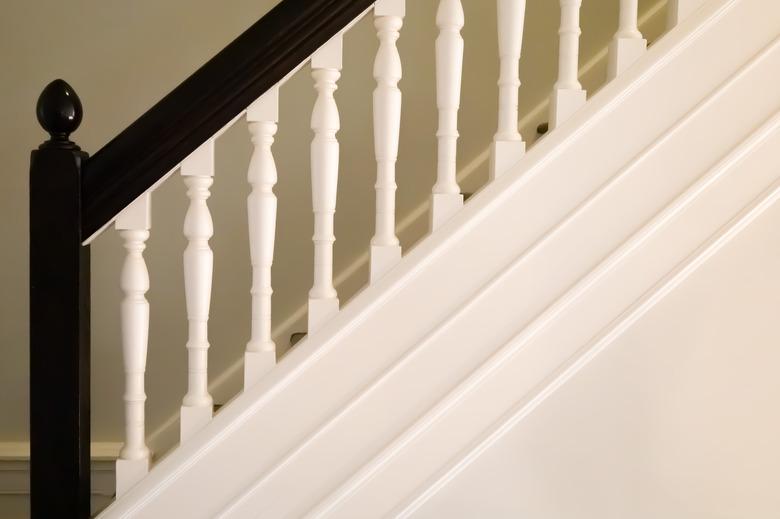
675, 419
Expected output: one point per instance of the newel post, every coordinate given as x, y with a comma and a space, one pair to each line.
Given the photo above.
59, 315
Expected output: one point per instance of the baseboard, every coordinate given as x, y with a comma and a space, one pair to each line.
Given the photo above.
15, 468
20, 451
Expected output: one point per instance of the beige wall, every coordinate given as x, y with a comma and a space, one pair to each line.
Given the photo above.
123, 56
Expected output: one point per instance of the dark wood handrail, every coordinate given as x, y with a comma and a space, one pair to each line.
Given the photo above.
193, 112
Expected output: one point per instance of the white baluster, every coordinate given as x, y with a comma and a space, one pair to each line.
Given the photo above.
508, 146
678, 10
627, 45
385, 248
568, 95
326, 67
262, 117
447, 198
133, 226
198, 174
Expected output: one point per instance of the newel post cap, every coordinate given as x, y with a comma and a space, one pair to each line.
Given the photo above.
59, 113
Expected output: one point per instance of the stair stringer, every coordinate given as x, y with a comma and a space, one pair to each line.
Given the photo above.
419, 503
477, 330
256, 431
566, 336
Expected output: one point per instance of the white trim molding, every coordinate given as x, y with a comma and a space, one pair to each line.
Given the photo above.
20, 451
15, 461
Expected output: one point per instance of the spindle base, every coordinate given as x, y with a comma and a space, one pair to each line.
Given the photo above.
320, 312
678, 10
564, 103
444, 207
256, 365
504, 155
623, 52
128, 473
193, 419
383, 258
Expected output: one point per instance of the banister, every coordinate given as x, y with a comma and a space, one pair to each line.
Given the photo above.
210, 98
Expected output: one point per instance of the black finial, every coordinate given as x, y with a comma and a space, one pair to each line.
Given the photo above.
59, 112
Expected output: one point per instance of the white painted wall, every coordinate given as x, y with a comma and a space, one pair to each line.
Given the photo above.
676, 419
122, 57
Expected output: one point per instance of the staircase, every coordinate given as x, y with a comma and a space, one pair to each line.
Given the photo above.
424, 395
